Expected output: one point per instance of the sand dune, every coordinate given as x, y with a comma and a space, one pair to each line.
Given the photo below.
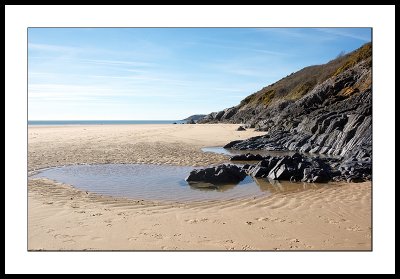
61, 217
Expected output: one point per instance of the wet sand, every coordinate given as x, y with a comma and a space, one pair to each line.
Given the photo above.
61, 217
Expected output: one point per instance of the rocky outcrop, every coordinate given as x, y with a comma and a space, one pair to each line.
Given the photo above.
355, 170
194, 118
325, 109
294, 168
223, 116
247, 157
232, 143
321, 122
222, 174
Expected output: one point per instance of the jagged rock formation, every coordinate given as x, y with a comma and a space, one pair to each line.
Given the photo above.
247, 157
303, 168
325, 109
194, 118
294, 168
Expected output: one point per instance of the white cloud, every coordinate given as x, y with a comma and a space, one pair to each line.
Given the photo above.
344, 33
118, 62
67, 92
244, 48
53, 48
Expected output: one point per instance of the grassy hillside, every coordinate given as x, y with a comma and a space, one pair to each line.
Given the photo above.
296, 85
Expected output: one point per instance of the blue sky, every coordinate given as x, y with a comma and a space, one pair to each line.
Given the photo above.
166, 73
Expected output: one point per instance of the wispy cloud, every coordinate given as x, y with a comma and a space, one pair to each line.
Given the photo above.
141, 70
66, 92
52, 48
245, 69
243, 48
146, 78
297, 35
229, 89
345, 33
118, 62
284, 32
308, 34
244, 72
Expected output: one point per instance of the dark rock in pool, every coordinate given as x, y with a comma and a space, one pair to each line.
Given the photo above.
316, 174
246, 167
258, 171
280, 172
217, 175
247, 157
241, 128
294, 168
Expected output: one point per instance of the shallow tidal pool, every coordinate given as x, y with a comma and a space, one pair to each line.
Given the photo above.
160, 182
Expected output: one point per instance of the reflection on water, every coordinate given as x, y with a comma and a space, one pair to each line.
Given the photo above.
160, 182
211, 187
202, 186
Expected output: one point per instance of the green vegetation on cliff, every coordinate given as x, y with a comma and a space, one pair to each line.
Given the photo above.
355, 57
296, 85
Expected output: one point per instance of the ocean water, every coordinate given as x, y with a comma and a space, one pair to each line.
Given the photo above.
99, 122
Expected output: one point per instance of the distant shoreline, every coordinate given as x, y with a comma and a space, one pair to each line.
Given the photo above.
99, 122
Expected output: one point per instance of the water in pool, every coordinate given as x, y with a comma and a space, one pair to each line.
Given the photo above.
158, 182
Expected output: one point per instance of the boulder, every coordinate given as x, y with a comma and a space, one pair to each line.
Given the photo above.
221, 174
241, 128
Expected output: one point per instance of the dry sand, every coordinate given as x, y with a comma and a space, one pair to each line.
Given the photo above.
61, 217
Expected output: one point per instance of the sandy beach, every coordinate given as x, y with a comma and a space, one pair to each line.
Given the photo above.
61, 217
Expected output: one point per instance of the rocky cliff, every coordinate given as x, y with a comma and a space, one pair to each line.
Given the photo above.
194, 118
324, 109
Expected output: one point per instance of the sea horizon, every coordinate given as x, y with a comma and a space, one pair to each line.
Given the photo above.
99, 122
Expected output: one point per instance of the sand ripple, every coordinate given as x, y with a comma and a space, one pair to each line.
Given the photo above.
61, 217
